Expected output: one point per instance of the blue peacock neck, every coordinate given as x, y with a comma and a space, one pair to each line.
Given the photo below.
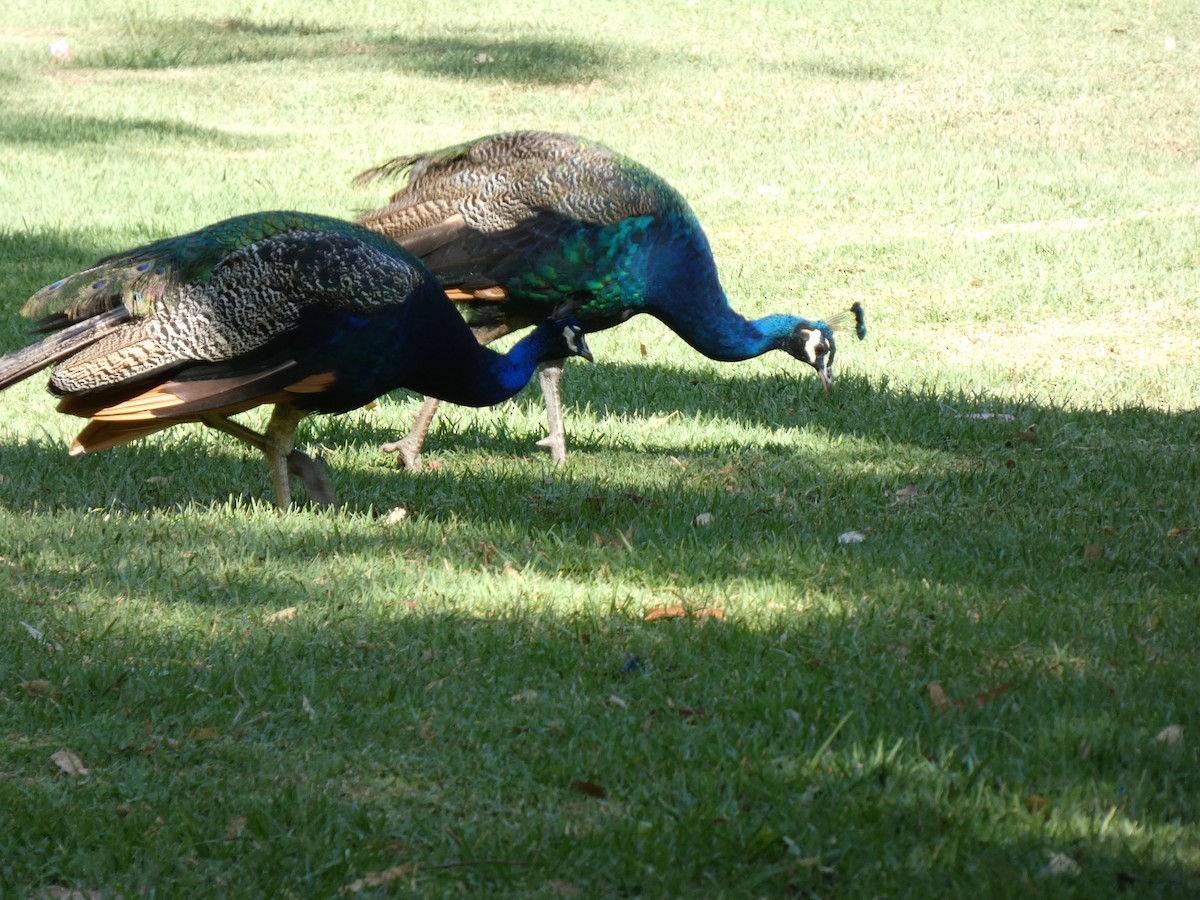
484, 377
685, 292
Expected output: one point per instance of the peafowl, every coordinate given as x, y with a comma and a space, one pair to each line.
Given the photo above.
308, 313
517, 224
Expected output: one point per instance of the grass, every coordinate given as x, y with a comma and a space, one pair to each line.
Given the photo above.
498, 693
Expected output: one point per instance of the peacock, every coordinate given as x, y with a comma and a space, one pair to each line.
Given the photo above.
515, 225
311, 314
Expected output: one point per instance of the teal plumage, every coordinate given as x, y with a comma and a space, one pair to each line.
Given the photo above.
309, 313
138, 278
517, 224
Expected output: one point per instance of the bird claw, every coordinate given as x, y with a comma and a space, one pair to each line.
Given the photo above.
316, 480
557, 444
410, 457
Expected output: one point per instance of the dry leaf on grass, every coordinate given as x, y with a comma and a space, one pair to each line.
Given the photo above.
235, 828
1170, 736
906, 494
938, 697
590, 788
985, 696
852, 537
283, 615
623, 539
982, 416
69, 762
37, 689
562, 888
396, 516
376, 879
941, 702
658, 421
1061, 864
40, 637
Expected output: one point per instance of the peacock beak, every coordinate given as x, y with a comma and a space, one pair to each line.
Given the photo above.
579, 345
826, 379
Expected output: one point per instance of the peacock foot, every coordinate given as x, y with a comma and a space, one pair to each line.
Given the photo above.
316, 479
409, 452
557, 445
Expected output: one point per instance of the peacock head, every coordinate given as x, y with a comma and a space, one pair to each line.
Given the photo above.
566, 338
813, 342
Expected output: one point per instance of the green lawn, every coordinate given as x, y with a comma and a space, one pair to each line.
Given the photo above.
554, 682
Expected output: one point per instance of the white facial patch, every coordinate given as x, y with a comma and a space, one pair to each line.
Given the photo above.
814, 342
572, 335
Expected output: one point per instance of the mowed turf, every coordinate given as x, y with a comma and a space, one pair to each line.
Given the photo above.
933, 636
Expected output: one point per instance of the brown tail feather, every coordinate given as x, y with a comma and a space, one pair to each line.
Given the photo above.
20, 364
183, 401
103, 435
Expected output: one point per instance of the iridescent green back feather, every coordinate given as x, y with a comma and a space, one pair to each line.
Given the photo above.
138, 279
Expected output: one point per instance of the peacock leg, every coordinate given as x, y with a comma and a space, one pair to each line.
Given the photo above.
284, 458
277, 445
549, 375
409, 447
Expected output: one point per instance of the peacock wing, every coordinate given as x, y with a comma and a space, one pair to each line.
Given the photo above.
530, 215
457, 168
139, 279
280, 315
482, 262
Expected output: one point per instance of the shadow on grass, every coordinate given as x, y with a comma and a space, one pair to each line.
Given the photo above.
172, 43
1010, 485
162, 43
68, 130
536, 61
